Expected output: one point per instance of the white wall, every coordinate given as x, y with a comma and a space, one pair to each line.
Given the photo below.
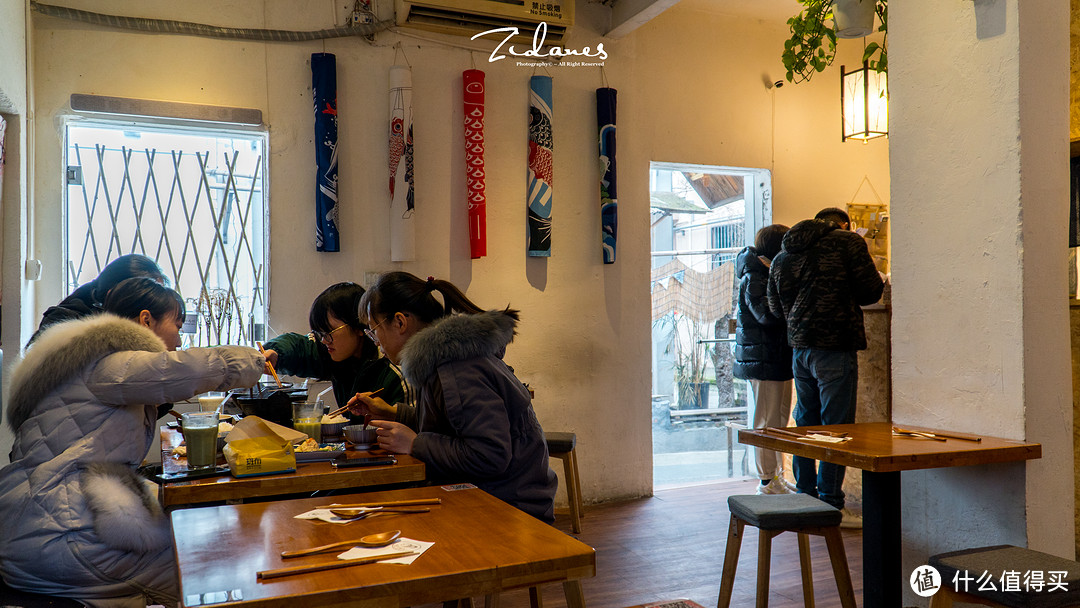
979, 165
690, 90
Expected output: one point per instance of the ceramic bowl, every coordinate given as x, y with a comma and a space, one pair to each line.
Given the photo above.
358, 433
332, 430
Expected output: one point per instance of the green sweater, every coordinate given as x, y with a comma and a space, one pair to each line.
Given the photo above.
300, 355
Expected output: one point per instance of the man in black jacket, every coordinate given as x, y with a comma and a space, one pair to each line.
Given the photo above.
818, 282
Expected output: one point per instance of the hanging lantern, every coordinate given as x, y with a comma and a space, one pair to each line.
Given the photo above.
864, 103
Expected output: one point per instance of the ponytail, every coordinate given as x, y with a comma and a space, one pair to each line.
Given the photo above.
399, 291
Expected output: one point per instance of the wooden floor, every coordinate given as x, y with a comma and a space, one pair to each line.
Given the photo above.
672, 546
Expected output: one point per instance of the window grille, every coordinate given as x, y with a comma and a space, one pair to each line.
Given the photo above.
192, 199
726, 236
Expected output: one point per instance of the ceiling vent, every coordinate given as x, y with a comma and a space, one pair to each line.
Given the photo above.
470, 17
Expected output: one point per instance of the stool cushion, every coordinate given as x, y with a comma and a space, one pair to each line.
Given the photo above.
560, 443
783, 511
999, 559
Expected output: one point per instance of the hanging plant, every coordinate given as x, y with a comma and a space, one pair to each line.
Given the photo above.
812, 45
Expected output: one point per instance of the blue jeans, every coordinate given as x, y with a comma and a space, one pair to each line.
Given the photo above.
825, 382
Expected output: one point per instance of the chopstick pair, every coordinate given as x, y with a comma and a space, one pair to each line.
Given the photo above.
270, 366
387, 503
343, 408
340, 563
939, 435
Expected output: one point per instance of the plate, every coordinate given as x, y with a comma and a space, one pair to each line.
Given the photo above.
327, 451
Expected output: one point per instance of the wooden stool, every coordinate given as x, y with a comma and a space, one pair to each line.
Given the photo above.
772, 515
561, 446
994, 562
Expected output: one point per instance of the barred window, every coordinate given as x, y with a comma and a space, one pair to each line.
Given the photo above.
191, 198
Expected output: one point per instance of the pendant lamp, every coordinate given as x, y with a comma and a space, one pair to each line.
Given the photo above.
864, 103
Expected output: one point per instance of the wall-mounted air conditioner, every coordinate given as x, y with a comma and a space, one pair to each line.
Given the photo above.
469, 17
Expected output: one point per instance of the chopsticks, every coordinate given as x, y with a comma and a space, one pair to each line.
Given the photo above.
342, 409
340, 563
270, 366
387, 503
936, 435
787, 433
770, 429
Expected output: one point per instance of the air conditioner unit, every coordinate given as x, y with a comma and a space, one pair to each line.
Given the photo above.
470, 17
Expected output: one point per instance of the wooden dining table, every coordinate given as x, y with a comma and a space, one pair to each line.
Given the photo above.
882, 456
482, 546
308, 477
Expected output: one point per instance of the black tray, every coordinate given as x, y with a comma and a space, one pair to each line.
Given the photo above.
189, 475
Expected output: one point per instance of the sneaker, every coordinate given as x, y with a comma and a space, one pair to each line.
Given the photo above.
775, 486
787, 484
850, 520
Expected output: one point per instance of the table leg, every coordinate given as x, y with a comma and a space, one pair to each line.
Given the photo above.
883, 578
575, 597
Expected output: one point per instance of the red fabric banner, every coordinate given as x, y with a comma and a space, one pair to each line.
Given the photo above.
473, 93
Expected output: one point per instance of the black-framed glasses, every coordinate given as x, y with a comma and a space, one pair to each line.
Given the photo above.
327, 336
370, 331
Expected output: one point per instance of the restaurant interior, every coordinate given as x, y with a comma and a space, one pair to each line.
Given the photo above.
974, 172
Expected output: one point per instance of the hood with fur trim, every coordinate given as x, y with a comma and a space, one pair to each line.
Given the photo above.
64, 350
456, 338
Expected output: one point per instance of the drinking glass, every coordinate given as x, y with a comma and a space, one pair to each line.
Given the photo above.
200, 435
307, 418
211, 402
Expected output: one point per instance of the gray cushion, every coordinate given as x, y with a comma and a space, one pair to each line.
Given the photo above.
998, 559
560, 443
783, 511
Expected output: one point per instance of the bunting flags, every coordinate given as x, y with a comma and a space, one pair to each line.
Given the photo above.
540, 166
402, 225
609, 202
473, 94
324, 93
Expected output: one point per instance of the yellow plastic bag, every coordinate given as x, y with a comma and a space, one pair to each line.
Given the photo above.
258, 447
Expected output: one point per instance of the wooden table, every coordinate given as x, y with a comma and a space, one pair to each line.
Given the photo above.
309, 477
882, 457
482, 546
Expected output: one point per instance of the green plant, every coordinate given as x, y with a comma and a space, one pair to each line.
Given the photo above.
691, 354
812, 45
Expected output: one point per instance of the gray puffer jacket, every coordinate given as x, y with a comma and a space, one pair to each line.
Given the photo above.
474, 418
82, 405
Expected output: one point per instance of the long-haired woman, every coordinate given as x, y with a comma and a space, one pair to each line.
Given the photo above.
473, 419
78, 520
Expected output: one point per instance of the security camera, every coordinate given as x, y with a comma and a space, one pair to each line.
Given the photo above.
772, 84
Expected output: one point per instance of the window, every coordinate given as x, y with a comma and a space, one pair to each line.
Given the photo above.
193, 199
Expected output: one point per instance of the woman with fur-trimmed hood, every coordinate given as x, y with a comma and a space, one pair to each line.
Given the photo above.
77, 521
473, 420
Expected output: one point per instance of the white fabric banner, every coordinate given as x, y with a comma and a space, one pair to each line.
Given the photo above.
402, 224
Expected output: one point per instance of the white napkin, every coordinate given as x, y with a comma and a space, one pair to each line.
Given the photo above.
327, 516
824, 438
402, 545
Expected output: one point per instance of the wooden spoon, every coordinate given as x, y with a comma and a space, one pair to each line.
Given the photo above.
380, 539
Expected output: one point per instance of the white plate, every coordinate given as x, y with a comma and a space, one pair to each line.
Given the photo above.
337, 450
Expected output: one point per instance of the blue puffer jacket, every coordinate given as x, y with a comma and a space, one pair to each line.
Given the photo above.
761, 348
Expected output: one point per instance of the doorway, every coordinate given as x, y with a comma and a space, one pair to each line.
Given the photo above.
701, 217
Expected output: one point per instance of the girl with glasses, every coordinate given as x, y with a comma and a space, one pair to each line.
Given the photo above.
472, 420
337, 349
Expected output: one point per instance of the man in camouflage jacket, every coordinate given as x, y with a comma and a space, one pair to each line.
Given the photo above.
818, 282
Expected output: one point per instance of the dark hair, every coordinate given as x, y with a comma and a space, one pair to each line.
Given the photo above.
126, 267
341, 300
833, 214
395, 292
767, 241
132, 296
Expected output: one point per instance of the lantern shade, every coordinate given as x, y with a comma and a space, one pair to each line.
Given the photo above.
864, 103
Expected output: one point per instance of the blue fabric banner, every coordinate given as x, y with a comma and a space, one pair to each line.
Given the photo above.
541, 151
324, 91
609, 201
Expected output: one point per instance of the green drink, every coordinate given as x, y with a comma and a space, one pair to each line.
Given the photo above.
200, 435
311, 426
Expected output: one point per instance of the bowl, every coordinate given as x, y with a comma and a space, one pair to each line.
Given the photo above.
359, 434
334, 429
